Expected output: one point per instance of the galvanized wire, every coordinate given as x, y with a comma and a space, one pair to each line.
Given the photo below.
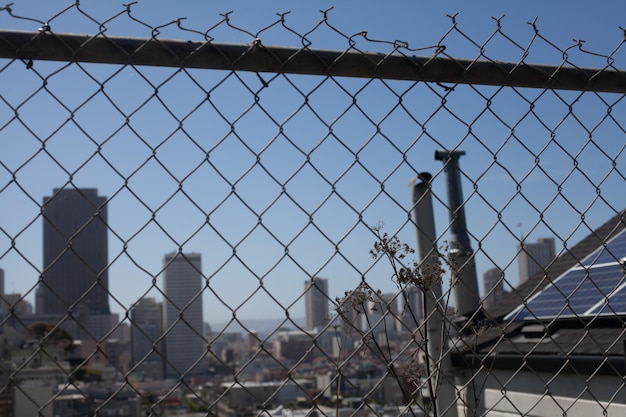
281, 164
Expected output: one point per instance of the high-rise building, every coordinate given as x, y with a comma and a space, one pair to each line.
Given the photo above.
147, 352
316, 303
534, 257
1, 281
185, 344
17, 304
493, 286
381, 316
412, 311
75, 253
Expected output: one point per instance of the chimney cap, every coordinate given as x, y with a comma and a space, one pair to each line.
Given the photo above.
444, 154
421, 178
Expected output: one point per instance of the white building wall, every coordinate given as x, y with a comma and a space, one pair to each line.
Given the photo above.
547, 395
34, 398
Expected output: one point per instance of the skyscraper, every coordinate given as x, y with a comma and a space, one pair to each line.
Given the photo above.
412, 311
534, 257
147, 352
350, 308
316, 310
75, 253
381, 316
493, 286
185, 345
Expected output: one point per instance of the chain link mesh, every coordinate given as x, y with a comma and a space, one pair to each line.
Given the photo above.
282, 204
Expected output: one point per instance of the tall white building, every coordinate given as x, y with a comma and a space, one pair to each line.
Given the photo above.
412, 311
316, 303
493, 286
381, 317
185, 344
534, 257
350, 309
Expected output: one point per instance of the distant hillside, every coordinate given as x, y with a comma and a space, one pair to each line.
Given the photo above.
263, 327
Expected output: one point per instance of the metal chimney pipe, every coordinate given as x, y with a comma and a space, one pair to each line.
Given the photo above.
464, 278
424, 217
440, 362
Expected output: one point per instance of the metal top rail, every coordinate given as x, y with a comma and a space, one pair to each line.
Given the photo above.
256, 57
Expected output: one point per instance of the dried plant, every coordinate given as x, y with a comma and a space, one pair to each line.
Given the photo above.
405, 273
422, 275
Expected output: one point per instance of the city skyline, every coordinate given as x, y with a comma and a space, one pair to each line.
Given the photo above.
93, 210
286, 182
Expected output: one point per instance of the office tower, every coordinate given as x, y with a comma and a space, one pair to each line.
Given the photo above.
350, 308
534, 257
347, 326
412, 311
381, 316
316, 303
75, 253
182, 313
147, 352
16, 303
493, 287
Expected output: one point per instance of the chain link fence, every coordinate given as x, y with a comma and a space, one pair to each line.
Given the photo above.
191, 227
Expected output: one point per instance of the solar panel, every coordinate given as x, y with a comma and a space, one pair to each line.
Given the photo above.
595, 286
615, 304
614, 251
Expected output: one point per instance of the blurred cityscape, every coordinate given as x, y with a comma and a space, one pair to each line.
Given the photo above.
72, 353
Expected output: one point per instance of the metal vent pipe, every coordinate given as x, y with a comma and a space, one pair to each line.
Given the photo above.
464, 278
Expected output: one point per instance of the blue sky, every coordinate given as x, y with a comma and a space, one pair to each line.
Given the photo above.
560, 178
